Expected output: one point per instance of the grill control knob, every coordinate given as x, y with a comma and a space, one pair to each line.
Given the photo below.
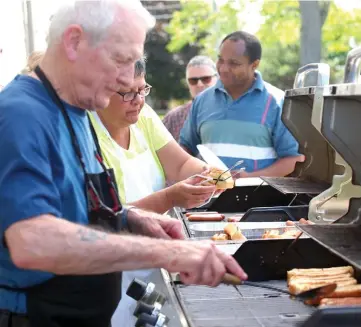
140, 291
152, 310
145, 320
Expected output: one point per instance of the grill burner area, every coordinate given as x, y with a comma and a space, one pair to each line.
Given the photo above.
241, 306
295, 185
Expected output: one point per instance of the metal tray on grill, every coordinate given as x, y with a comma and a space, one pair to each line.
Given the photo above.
249, 230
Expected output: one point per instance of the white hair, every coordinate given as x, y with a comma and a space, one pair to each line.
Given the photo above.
95, 17
202, 61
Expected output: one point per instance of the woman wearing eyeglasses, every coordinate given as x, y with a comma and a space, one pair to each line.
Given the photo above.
143, 154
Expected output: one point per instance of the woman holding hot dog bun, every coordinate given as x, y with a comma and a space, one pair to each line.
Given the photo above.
143, 154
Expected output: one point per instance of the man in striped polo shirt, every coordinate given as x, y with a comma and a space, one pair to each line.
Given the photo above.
240, 117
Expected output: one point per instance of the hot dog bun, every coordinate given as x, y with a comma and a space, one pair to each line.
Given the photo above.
299, 287
334, 271
300, 280
220, 237
340, 292
347, 301
225, 182
233, 232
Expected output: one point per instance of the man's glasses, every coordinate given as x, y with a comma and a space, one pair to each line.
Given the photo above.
130, 96
203, 79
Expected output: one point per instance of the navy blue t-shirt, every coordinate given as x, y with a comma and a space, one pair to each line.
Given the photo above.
39, 171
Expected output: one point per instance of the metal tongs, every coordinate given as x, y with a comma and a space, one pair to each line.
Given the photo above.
207, 179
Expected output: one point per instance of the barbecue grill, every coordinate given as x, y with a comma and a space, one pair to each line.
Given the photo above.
324, 171
340, 122
330, 116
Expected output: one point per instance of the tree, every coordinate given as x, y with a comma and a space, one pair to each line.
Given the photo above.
281, 33
313, 16
166, 70
199, 23
341, 32
291, 34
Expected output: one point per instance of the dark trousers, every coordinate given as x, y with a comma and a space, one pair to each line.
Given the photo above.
8, 319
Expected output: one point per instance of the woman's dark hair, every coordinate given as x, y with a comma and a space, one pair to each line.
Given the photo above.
253, 46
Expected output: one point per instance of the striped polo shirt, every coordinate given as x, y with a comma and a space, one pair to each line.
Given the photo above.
248, 128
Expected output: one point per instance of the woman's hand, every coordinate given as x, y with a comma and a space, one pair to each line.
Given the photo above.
188, 194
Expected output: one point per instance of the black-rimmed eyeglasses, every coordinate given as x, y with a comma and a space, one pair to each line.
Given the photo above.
130, 96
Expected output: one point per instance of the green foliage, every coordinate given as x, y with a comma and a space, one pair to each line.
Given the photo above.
165, 70
279, 35
281, 23
198, 23
340, 28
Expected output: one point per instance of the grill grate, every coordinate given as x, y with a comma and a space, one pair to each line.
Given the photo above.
295, 185
241, 306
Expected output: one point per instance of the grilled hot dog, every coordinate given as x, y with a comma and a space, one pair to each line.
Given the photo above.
208, 217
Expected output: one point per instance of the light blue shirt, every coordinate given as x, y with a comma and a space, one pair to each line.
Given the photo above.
248, 128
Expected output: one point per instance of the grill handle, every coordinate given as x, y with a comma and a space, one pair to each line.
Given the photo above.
353, 66
302, 77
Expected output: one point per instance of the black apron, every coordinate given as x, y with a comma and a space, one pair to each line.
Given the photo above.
82, 301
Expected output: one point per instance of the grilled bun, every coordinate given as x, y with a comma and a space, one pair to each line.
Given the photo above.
316, 272
300, 280
232, 231
351, 291
226, 181
299, 287
220, 237
341, 302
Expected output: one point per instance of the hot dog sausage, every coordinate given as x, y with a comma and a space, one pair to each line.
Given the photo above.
201, 213
209, 217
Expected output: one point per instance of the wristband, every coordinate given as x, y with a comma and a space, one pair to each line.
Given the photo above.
124, 217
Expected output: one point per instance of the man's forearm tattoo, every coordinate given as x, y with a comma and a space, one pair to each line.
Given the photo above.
89, 235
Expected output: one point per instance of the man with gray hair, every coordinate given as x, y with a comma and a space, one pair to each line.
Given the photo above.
201, 73
64, 233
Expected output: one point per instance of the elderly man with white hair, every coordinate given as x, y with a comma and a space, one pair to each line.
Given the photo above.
64, 233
